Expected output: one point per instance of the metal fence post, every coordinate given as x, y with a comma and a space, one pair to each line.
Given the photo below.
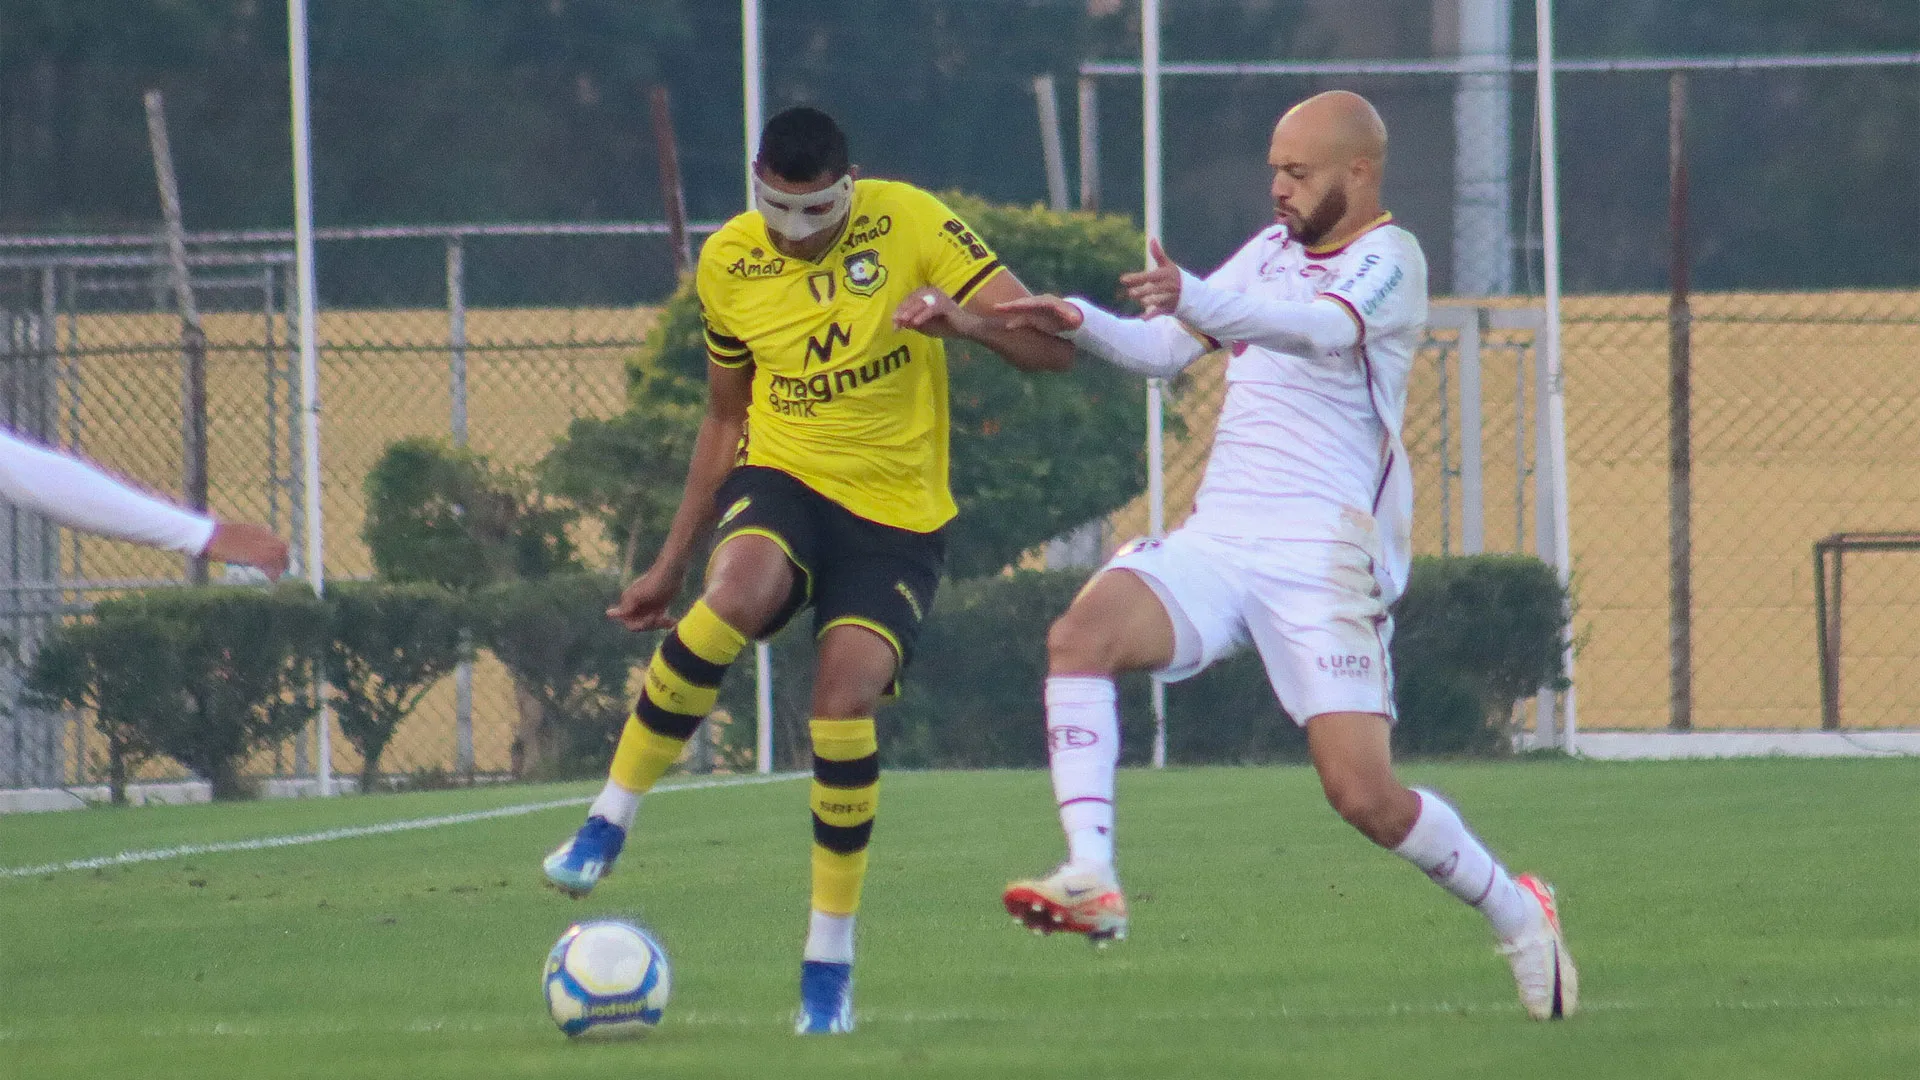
1473, 510
1052, 152
1089, 102
1545, 721
457, 379
193, 337
1679, 421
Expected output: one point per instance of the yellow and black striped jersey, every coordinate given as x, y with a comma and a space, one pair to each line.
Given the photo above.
843, 401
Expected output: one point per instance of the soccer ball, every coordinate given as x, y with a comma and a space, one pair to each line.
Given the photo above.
606, 979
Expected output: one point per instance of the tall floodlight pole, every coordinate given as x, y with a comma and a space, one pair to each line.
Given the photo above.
1156, 469
1555, 388
750, 63
309, 350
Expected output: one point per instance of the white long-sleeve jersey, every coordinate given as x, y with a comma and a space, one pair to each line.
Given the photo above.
80, 496
1323, 345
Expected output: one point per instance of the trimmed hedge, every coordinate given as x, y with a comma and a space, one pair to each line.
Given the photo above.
1473, 635
206, 676
209, 676
387, 646
571, 667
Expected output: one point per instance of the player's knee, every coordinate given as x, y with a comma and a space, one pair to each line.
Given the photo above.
747, 599
846, 698
1369, 806
1079, 645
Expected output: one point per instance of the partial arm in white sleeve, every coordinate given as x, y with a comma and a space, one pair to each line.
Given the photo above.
78, 495
1157, 348
1307, 329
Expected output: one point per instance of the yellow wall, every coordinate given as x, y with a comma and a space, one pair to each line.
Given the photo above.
1805, 423
384, 375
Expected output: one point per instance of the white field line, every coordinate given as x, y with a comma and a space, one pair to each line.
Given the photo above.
698, 1018
262, 843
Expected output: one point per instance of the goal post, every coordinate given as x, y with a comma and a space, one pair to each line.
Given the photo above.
1829, 580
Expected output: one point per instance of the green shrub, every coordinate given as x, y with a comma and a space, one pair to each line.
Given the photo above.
627, 471
1472, 637
387, 646
571, 665
972, 698
206, 676
117, 669
439, 513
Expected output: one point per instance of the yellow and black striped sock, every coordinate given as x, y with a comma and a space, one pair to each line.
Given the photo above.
846, 791
683, 680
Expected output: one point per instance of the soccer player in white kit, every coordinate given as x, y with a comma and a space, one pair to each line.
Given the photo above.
1298, 542
82, 497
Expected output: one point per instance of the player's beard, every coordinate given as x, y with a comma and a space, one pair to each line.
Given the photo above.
1315, 226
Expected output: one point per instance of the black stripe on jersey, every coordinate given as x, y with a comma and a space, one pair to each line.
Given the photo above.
974, 282
858, 773
663, 721
842, 839
724, 344
688, 664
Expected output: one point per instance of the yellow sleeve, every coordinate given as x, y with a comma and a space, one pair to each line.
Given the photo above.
723, 347
955, 259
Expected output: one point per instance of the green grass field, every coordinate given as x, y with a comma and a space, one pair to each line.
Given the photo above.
1739, 919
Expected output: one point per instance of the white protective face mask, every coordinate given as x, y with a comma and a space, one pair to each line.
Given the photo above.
785, 212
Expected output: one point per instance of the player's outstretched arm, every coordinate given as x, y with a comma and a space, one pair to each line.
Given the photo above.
1307, 329
933, 312
81, 496
1158, 347
643, 606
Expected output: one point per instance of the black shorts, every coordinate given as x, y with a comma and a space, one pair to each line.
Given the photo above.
851, 570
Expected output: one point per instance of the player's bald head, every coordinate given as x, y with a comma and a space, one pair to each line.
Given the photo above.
1328, 154
1335, 127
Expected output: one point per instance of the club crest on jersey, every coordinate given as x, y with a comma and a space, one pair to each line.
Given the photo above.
865, 275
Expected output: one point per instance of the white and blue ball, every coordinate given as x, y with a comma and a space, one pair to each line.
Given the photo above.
606, 979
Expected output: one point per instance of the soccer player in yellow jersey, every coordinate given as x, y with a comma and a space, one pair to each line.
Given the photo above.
821, 467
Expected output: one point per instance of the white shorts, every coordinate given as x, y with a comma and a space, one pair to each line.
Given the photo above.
1311, 608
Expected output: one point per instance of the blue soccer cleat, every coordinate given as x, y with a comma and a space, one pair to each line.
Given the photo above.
576, 866
826, 998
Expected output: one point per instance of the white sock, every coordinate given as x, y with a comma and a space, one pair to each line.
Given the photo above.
1440, 845
829, 938
616, 804
1083, 747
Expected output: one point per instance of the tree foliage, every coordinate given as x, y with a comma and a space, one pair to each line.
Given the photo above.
1472, 636
205, 676
537, 110
114, 669
569, 661
388, 645
446, 515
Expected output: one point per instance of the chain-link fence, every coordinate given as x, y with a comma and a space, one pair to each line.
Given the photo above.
93, 362
1800, 352
1804, 424
1805, 226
